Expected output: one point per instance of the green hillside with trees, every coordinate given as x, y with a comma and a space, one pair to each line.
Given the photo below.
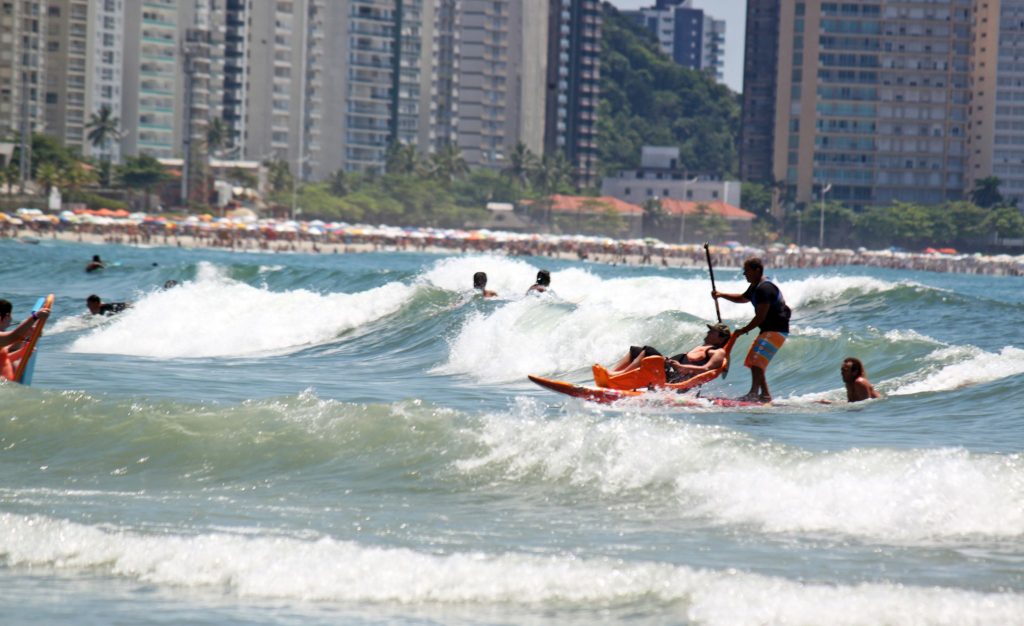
647, 99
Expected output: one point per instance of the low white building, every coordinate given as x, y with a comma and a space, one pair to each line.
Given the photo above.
659, 176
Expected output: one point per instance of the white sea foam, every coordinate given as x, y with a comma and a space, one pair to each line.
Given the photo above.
326, 569
960, 366
595, 320
898, 496
215, 316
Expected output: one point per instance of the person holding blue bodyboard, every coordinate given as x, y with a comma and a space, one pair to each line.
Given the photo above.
14, 344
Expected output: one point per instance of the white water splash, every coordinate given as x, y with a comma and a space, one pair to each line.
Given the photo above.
898, 496
326, 569
215, 316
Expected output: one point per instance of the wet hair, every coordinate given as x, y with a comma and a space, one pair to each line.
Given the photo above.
96, 258
753, 263
170, 283
479, 280
544, 278
93, 298
856, 367
5, 307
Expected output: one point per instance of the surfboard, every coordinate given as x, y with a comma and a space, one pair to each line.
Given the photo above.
604, 395
27, 364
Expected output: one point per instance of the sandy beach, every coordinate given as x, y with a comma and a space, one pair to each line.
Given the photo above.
568, 248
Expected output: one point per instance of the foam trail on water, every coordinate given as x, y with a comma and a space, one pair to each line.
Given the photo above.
326, 569
215, 316
897, 496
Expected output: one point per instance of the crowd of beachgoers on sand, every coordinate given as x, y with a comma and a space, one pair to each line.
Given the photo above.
250, 234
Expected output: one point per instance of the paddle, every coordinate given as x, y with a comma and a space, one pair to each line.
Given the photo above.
711, 271
718, 312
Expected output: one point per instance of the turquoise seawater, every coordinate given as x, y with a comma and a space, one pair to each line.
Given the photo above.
351, 439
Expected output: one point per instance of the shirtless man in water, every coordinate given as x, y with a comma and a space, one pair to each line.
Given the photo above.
680, 367
858, 387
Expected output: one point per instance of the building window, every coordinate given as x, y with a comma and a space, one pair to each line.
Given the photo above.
628, 191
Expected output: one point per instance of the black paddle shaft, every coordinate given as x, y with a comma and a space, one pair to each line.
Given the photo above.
711, 271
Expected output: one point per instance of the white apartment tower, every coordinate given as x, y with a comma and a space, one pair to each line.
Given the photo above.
104, 70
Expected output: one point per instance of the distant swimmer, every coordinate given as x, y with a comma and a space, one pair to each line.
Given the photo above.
771, 316
95, 264
858, 387
170, 283
480, 284
9, 357
98, 307
543, 283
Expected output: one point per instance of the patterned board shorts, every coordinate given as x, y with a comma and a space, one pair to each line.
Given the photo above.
764, 348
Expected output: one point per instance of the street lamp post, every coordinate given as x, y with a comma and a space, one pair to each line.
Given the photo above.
821, 224
300, 162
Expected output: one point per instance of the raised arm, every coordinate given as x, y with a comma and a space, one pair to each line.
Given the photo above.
23, 329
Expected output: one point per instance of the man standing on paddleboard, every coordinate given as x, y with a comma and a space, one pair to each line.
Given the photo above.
771, 316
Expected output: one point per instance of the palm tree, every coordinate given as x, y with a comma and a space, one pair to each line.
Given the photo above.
48, 176
447, 164
279, 175
75, 176
402, 158
11, 176
103, 127
217, 135
654, 216
143, 172
522, 163
986, 192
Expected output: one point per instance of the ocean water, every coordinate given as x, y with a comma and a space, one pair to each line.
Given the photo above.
303, 439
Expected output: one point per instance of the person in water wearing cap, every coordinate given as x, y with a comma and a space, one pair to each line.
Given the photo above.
542, 284
858, 387
771, 316
706, 357
480, 284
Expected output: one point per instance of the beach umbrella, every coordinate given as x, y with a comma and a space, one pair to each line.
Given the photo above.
947, 250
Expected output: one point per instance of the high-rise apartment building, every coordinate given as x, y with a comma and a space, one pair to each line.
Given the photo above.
760, 84
870, 97
995, 127
23, 27
67, 61
686, 34
573, 84
150, 73
488, 78
321, 84
104, 75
